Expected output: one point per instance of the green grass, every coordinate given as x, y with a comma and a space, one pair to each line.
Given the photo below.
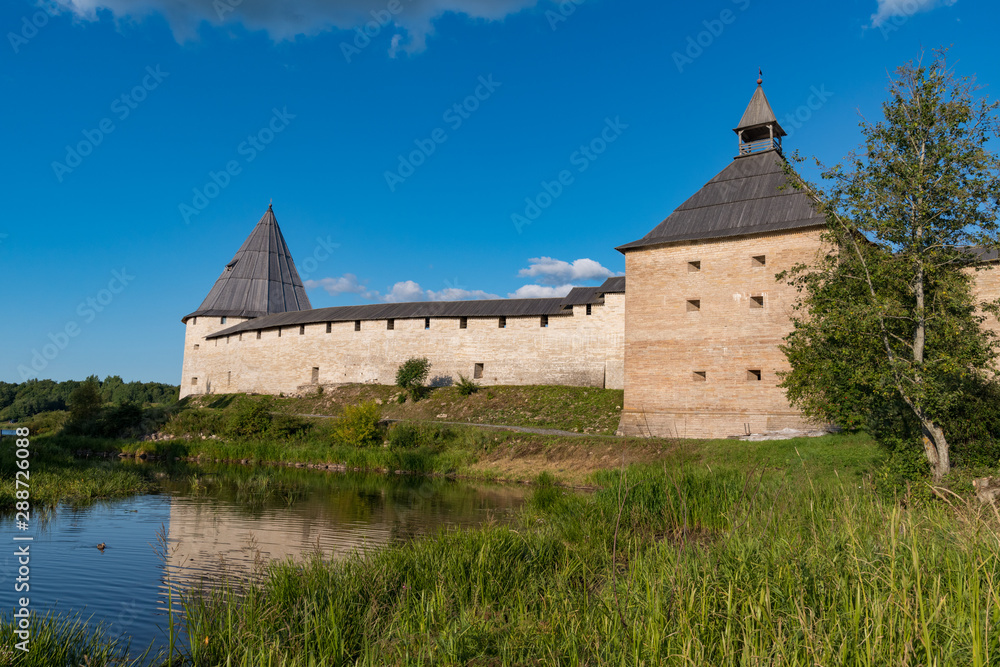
65, 641
713, 563
582, 409
56, 475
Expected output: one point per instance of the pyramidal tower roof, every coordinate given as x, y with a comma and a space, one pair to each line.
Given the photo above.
260, 280
750, 196
758, 113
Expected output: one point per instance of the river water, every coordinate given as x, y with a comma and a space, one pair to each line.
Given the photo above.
212, 522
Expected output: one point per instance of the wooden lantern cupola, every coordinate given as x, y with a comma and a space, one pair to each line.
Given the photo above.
759, 130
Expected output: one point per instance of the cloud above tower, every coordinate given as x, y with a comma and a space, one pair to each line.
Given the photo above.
412, 20
556, 272
888, 9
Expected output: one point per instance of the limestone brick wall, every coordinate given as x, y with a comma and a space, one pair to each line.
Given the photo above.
987, 288
577, 349
697, 335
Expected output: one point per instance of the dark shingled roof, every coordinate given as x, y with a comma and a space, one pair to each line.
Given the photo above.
260, 280
758, 113
435, 309
401, 311
614, 285
750, 196
579, 296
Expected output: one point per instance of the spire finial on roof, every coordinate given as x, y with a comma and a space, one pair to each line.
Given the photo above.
760, 76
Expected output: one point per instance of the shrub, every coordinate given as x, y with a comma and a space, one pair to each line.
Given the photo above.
251, 419
405, 436
120, 420
195, 421
412, 374
359, 425
465, 386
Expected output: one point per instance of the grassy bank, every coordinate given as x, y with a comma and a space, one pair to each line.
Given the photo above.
580, 409
697, 560
57, 474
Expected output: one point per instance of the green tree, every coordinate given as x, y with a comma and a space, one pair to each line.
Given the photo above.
412, 374
888, 330
85, 406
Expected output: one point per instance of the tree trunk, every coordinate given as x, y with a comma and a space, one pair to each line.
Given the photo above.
936, 448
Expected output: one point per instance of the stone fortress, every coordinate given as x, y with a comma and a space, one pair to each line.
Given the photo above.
693, 340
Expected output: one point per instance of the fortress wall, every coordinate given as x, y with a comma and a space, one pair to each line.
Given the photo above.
987, 288
667, 341
574, 349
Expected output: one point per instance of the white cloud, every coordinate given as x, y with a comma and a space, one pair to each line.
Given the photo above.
458, 294
554, 272
541, 291
346, 284
406, 290
888, 9
287, 20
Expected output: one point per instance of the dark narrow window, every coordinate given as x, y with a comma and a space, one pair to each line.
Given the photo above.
693, 305
196, 346
302, 330
698, 376
229, 378
241, 336
545, 321
463, 323
694, 266
757, 301
477, 372
589, 309
357, 325
279, 332
427, 323
258, 334
390, 325
227, 340
329, 327
194, 320
315, 375
222, 320
503, 322
753, 376
758, 260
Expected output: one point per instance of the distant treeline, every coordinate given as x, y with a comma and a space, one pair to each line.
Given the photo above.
20, 401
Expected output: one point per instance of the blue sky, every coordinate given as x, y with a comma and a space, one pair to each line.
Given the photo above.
143, 139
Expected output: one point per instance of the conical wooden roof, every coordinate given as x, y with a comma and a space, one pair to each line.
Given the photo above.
260, 280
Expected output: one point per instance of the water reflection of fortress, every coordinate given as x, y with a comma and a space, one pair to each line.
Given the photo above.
211, 536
